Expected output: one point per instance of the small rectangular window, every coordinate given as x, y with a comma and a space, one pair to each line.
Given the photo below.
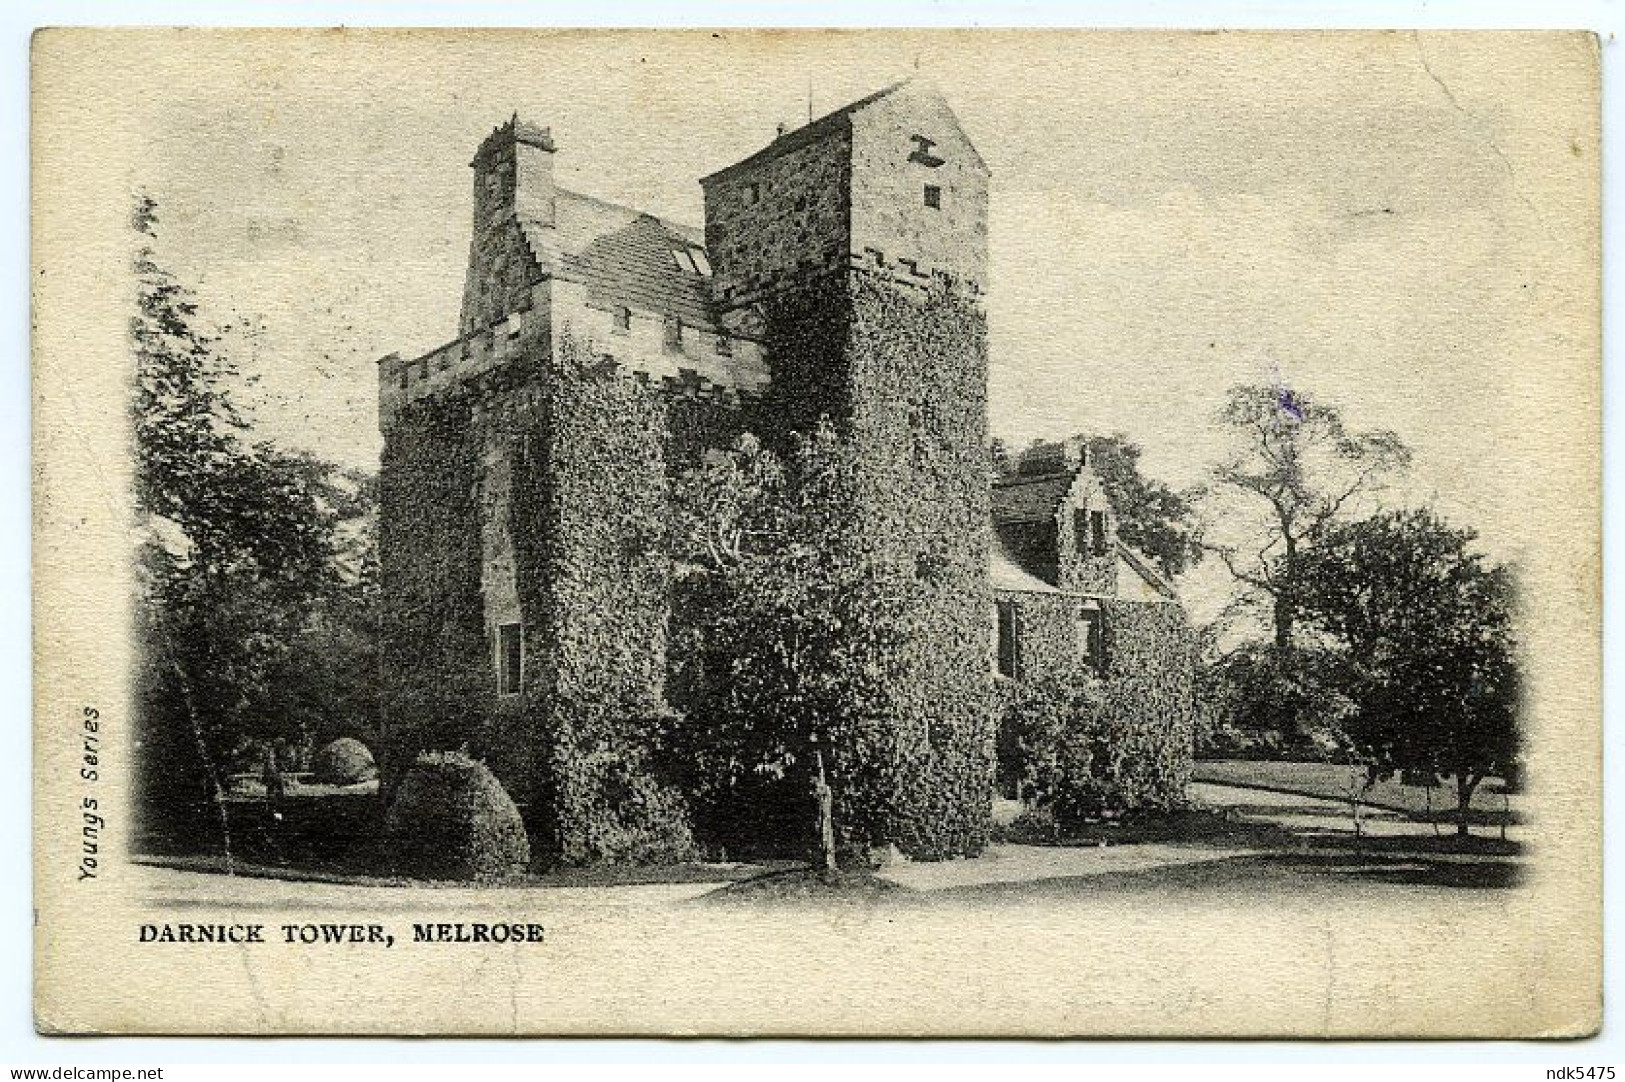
674, 333
1097, 532
725, 346
1080, 531
933, 196
1007, 639
623, 320
510, 658
1089, 637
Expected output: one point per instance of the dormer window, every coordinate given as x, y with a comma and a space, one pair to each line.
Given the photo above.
623, 320
701, 264
684, 261
933, 196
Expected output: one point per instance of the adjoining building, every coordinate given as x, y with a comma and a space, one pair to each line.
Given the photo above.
841, 272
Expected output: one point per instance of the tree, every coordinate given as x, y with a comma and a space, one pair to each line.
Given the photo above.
243, 548
1426, 625
779, 614
1152, 518
1296, 458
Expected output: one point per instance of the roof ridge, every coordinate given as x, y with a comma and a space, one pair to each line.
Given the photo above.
795, 138
670, 223
1033, 478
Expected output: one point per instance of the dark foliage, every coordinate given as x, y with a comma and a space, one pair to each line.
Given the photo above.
451, 819
345, 761
255, 566
1425, 629
1264, 701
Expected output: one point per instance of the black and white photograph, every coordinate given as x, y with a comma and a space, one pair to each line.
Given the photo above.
817, 533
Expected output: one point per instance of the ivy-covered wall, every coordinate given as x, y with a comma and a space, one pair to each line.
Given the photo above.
1149, 701
902, 370
594, 582
434, 654
1046, 633
536, 496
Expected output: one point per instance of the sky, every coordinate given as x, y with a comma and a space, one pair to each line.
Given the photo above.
1391, 222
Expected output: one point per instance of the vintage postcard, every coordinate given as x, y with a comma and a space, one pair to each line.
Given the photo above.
816, 533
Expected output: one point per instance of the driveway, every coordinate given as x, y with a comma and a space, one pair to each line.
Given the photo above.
1310, 815
1031, 863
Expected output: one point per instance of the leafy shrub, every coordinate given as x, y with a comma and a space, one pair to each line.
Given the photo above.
1080, 748
1260, 701
451, 819
345, 761
1047, 743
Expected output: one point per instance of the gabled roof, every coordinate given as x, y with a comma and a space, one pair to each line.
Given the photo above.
624, 257
1034, 498
1147, 571
807, 134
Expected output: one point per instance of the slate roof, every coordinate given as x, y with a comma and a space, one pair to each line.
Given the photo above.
1148, 572
624, 257
1004, 573
1020, 501
1029, 499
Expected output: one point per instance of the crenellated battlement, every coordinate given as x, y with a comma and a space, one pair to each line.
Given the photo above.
402, 381
687, 362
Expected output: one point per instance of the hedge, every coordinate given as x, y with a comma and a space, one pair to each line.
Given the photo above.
451, 819
345, 761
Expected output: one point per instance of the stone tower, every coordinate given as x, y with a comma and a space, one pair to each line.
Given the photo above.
526, 464
858, 247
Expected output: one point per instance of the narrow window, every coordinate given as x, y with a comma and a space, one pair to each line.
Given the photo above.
510, 658
1007, 639
933, 196
1089, 638
674, 333
1097, 532
1080, 531
623, 320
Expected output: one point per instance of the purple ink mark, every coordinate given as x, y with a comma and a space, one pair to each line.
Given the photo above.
1289, 404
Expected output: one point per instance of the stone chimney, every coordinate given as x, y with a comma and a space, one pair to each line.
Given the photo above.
513, 182
513, 173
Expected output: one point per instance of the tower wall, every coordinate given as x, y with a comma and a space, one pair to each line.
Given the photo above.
873, 319
532, 495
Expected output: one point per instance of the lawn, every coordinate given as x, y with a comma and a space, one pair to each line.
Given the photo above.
1331, 781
